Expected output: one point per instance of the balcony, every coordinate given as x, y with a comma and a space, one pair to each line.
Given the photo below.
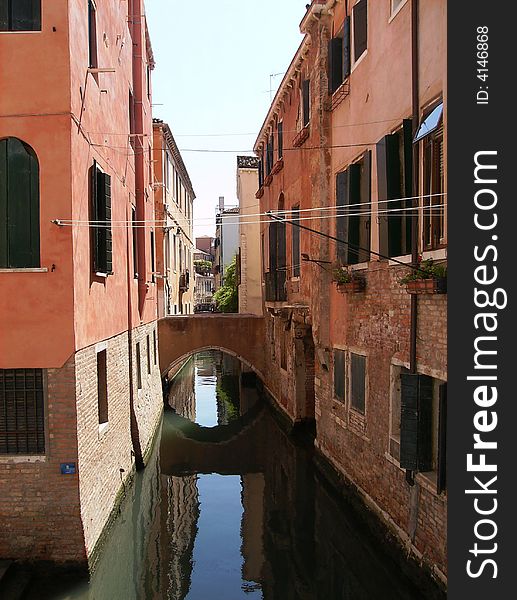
275, 286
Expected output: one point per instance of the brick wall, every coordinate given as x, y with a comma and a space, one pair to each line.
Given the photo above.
39, 508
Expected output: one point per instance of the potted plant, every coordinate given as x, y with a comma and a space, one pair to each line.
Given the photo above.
347, 282
428, 278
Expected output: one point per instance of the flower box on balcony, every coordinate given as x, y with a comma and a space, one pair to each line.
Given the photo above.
355, 286
434, 285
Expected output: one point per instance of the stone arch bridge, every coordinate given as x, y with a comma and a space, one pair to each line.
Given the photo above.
242, 336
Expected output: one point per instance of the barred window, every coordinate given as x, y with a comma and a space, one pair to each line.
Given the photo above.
22, 417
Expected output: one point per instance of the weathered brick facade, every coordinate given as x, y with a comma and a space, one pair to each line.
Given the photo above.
331, 130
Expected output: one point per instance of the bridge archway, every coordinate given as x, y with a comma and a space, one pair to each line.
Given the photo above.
241, 336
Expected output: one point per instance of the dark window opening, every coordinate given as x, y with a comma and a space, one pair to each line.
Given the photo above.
422, 426
101, 216
270, 150
353, 224
22, 417
339, 57
306, 102
135, 243
339, 375
19, 205
138, 366
296, 255
20, 15
153, 259
395, 181
102, 387
360, 11
357, 382
148, 348
92, 35
280, 131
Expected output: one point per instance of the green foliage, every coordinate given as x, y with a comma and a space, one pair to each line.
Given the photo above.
341, 275
203, 267
426, 270
227, 296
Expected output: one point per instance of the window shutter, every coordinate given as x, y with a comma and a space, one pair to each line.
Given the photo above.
26, 15
335, 63
272, 246
416, 422
96, 216
346, 48
306, 101
441, 480
4, 16
408, 219
261, 173
358, 381
22, 200
3, 204
339, 375
360, 28
280, 139
365, 219
388, 177
354, 197
107, 229
342, 220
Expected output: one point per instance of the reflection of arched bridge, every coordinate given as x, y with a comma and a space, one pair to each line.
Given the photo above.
235, 448
242, 336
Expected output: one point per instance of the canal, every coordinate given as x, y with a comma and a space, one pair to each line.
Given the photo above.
232, 507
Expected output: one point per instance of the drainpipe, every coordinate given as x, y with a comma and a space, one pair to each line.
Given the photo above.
415, 109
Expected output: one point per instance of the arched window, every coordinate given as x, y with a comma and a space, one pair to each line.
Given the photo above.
20, 15
19, 205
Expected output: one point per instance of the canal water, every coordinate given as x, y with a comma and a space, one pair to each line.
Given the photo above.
231, 507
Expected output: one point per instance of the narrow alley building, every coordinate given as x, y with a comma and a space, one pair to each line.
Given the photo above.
79, 377
353, 155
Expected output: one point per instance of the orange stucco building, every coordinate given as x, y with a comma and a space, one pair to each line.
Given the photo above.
78, 347
353, 153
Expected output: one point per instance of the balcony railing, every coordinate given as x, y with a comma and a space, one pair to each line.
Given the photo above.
275, 286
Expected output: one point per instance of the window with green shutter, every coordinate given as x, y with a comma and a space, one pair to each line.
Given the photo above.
101, 217
20, 15
22, 415
358, 382
19, 205
354, 218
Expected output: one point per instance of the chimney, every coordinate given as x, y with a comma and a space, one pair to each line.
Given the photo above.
221, 204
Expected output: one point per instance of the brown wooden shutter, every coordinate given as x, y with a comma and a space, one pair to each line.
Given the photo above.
4, 15
354, 198
365, 208
358, 381
335, 53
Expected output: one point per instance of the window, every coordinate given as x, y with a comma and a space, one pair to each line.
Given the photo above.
22, 418
359, 14
280, 132
138, 366
148, 348
102, 387
153, 260
339, 375
270, 150
357, 382
92, 35
20, 15
430, 136
101, 215
296, 256
339, 57
155, 347
306, 102
19, 205
135, 242
395, 181
261, 169
353, 222
395, 395
422, 426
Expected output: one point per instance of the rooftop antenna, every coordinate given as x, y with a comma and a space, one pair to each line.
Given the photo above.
271, 77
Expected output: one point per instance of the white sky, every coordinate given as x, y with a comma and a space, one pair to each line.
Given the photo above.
214, 59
